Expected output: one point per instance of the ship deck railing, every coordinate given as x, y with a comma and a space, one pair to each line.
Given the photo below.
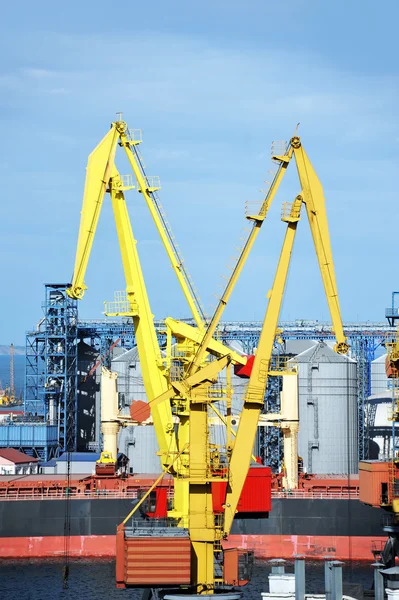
59, 494
317, 494
62, 494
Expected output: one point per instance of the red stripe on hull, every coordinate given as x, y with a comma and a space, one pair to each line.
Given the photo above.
315, 547
264, 546
92, 546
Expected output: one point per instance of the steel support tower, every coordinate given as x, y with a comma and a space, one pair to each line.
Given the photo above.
51, 366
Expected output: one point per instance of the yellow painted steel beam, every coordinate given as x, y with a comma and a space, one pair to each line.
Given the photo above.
183, 330
155, 382
184, 388
98, 171
313, 196
254, 397
201, 519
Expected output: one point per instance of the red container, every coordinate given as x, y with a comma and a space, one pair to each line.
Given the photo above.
152, 561
256, 495
373, 482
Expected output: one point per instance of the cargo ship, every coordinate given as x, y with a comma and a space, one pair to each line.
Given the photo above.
323, 517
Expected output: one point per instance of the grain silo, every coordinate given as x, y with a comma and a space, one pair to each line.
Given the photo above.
327, 439
379, 379
139, 443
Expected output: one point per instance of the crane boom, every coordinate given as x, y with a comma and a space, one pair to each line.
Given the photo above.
313, 196
255, 395
98, 172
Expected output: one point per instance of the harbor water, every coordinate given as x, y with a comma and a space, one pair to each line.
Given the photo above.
95, 580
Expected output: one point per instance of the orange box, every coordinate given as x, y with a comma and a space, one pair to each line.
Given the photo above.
373, 482
152, 561
237, 566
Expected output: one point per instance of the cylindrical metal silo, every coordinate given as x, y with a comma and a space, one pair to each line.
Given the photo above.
379, 379
327, 439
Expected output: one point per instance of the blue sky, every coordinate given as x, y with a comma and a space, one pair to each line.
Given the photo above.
211, 84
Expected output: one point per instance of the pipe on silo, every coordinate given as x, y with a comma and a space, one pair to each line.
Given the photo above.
109, 412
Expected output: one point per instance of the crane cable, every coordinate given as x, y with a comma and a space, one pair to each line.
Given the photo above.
172, 241
67, 524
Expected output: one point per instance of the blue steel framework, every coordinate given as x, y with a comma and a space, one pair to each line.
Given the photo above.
364, 338
51, 369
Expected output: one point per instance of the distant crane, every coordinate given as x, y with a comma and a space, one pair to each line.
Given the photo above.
12, 371
7, 395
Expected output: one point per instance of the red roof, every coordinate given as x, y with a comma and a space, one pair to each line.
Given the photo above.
16, 456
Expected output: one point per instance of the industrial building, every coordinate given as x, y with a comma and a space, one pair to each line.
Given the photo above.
13, 462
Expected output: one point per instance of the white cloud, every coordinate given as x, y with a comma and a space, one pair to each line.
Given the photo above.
189, 79
38, 73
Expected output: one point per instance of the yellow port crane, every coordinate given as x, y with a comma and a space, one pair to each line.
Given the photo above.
101, 177
7, 396
182, 384
195, 392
